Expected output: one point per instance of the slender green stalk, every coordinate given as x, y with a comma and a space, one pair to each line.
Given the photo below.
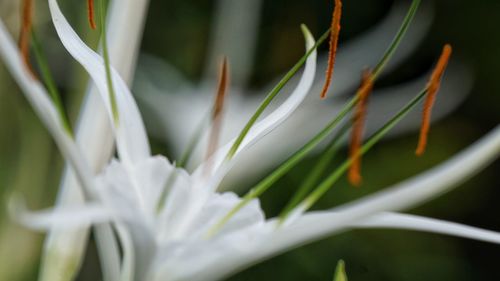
397, 40
107, 63
375, 138
48, 80
274, 92
318, 170
193, 142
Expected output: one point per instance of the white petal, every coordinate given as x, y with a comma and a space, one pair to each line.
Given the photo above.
66, 247
275, 118
45, 109
135, 188
411, 222
130, 133
217, 207
69, 217
234, 33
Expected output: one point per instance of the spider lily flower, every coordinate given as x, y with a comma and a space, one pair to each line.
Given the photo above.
164, 216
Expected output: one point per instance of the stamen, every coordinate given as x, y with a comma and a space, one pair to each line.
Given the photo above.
334, 39
357, 131
90, 10
218, 109
432, 90
25, 35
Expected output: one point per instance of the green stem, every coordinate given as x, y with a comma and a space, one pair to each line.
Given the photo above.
193, 142
397, 39
267, 182
48, 80
375, 138
107, 64
318, 170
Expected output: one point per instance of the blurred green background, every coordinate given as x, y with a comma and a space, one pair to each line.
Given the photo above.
178, 31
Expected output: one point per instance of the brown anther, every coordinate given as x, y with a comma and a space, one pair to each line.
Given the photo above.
25, 34
222, 89
432, 90
364, 92
90, 10
334, 40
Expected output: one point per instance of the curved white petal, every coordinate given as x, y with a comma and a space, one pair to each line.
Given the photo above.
93, 132
407, 193
275, 118
43, 106
130, 133
402, 196
418, 223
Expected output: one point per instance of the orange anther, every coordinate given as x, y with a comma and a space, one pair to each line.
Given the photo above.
432, 90
222, 89
25, 35
90, 10
357, 131
334, 40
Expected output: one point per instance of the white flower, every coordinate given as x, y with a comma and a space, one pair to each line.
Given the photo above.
66, 247
165, 217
